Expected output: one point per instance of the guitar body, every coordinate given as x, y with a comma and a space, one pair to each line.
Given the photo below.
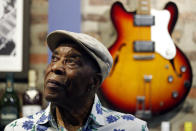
143, 82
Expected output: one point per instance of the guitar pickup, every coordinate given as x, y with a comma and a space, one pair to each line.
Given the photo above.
143, 46
144, 20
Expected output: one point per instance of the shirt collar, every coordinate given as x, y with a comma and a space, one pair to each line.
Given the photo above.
45, 115
96, 115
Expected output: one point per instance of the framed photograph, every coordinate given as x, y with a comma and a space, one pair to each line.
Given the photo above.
14, 37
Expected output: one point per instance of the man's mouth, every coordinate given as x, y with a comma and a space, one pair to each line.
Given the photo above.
54, 85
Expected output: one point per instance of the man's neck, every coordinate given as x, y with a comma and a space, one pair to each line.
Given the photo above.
74, 118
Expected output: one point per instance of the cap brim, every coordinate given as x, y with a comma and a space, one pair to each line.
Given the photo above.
56, 37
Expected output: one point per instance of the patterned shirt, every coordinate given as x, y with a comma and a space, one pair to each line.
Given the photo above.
100, 118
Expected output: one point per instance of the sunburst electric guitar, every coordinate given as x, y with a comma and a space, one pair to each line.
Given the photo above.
150, 74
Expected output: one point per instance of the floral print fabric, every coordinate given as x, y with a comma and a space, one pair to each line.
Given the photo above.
100, 119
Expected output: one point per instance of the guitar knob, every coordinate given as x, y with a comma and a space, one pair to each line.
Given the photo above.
187, 84
183, 69
174, 94
170, 79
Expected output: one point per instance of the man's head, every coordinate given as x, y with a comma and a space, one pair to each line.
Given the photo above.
78, 66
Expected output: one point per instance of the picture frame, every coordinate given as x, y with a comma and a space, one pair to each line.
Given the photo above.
14, 39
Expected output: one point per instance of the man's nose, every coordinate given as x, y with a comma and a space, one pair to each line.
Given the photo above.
58, 68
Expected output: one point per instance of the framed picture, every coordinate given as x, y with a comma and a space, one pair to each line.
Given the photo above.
14, 37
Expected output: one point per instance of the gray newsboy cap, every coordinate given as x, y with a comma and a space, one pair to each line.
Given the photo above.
93, 47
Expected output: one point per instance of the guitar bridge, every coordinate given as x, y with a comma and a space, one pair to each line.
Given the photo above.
147, 78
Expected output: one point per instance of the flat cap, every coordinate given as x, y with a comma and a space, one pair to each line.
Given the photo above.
93, 47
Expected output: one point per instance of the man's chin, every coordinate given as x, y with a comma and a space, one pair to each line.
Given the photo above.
51, 97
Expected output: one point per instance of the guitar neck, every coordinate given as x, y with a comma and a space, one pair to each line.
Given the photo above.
143, 7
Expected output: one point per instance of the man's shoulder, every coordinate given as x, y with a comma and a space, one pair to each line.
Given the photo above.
24, 123
124, 120
108, 119
19, 124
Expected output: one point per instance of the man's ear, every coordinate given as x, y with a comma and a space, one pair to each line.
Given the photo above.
97, 80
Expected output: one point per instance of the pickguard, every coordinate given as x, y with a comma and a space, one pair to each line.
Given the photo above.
164, 44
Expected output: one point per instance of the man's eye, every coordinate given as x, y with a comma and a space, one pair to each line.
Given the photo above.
72, 62
54, 58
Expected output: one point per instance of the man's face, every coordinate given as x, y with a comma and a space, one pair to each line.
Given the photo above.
69, 75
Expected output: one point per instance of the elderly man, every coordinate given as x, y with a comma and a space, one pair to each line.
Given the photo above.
79, 64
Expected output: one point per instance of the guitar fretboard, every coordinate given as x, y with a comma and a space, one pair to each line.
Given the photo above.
143, 7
